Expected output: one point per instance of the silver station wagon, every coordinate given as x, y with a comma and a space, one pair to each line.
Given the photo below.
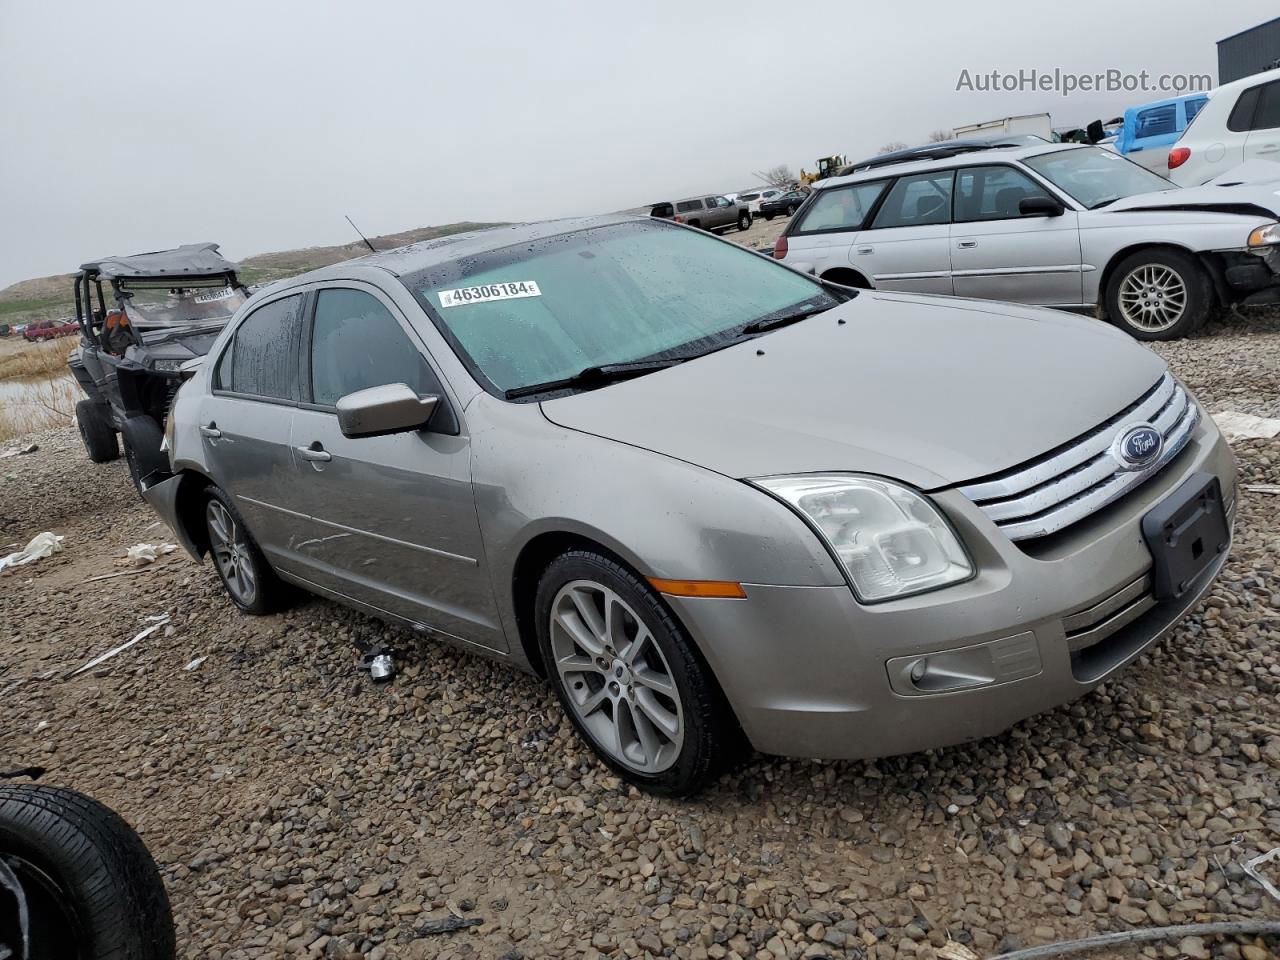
705, 495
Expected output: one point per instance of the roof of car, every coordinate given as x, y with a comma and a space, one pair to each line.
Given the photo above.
968, 159
429, 253
190, 260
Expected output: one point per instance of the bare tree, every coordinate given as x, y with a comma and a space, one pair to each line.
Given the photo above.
776, 176
941, 136
895, 145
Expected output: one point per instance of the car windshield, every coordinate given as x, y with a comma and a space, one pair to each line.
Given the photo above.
1095, 177
171, 306
547, 310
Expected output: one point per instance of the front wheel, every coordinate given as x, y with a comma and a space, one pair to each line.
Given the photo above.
629, 676
96, 433
1159, 295
791, 210
245, 574
744, 221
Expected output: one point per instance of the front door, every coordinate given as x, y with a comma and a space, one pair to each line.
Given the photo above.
998, 254
392, 519
908, 244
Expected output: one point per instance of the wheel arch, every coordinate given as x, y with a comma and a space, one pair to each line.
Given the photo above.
1108, 271
188, 508
848, 277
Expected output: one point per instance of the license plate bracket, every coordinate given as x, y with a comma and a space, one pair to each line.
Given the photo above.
1186, 534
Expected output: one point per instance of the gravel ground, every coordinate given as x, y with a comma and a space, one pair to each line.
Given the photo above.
297, 810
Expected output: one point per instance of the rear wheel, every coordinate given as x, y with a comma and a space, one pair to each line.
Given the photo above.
245, 574
1159, 295
791, 209
629, 676
96, 434
744, 220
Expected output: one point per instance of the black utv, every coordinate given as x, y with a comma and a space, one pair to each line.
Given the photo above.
159, 311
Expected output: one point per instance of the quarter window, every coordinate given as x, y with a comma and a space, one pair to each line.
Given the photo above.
917, 201
840, 208
260, 360
1241, 119
1193, 107
992, 193
688, 206
356, 343
1268, 115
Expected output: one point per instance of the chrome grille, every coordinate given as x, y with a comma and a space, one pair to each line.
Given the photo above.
1069, 484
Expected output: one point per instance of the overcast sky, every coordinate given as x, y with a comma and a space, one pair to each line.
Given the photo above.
135, 126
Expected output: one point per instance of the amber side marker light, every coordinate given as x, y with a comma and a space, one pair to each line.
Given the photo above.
699, 588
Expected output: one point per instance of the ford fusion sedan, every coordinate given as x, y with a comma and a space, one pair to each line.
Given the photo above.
1061, 226
704, 495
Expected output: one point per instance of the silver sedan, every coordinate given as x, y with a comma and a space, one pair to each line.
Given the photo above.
708, 497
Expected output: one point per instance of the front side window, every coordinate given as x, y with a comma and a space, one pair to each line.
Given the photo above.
1095, 177
917, 201
544, 311
356, 343
261, 361
992, 193
840, 208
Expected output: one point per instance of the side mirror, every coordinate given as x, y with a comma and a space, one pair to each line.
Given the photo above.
1040, 207
378, 411
1095, 132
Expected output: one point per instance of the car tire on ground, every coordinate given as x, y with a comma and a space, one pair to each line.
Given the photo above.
1159, 294
629, 676
141, 437
96, 433
767, 216
245, 574
92, 889
744, 221
791, 209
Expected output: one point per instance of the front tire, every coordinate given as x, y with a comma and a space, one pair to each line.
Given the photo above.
92, 889
96, 434
629, 676
245, 574
1159, 295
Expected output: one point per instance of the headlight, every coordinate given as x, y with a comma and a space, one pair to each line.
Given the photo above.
167, 366
892, 541
1265, 236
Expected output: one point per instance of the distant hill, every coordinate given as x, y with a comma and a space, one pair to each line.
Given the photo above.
43, 297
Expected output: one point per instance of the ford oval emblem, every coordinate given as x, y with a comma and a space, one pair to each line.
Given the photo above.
1138, 446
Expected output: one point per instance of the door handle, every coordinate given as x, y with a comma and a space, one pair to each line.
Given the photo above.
1269, 148
315, 453
866, 251
967, 244
210, 431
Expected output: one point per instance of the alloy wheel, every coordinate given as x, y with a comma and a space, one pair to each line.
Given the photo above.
1153, 298
616, 678
231, 553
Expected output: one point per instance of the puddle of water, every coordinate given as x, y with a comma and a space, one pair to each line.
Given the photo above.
28, 404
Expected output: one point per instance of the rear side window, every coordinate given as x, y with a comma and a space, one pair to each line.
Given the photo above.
1268, 115
688, 206
917, 201
992, 193
1193, 107
261, 360
1241, 118
1157, 121
840, 208
661, 210
356, 343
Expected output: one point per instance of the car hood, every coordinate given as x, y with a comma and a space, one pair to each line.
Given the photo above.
1227, 195
933, 391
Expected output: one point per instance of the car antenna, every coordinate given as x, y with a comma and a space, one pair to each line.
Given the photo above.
362, 236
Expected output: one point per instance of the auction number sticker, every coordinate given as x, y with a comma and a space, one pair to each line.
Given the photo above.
223, 294
486, 292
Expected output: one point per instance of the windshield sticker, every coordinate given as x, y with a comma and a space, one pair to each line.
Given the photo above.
223, 294
489, 291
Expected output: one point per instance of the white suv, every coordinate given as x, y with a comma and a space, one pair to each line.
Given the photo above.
1240, 122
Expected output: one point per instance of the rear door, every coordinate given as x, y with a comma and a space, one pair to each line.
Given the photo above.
998, 254
824, 236
908, 244
392, 520
245, 422
1263, 142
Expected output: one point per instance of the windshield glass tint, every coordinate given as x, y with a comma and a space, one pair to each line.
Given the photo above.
152, 307
546, 310
1094, 177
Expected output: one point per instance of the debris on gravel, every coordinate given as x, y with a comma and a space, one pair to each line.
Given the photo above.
297, 810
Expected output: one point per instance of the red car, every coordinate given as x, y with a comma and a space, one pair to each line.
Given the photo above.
50, 329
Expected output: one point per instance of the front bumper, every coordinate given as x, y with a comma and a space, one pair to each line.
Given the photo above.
809, 672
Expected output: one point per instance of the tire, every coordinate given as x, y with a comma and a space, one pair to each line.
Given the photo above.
767, 216
96, 434
1135, 298
744, 221
92, 889
654, 760
250, 582
791, 210
141, 437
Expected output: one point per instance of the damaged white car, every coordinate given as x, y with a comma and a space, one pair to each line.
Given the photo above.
1062, 226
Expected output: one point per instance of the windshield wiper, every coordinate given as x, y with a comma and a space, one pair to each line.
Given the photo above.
1102, 203
774, 321
596, 376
